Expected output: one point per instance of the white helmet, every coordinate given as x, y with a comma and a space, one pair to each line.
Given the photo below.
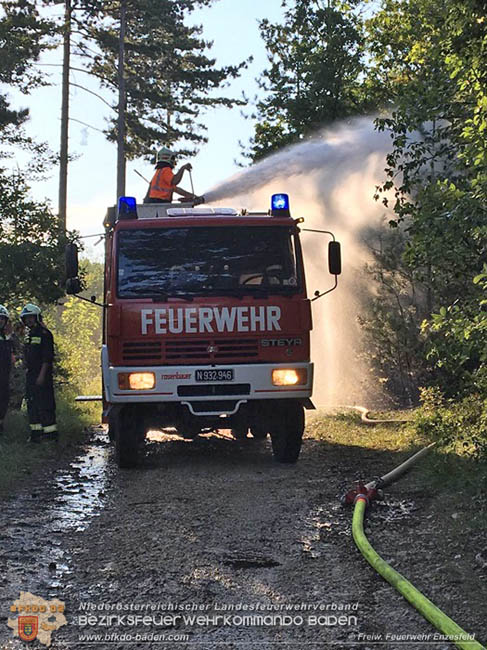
165, 155
30, 310
4, 312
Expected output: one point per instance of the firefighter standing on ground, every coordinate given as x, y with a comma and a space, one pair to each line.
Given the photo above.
165, 181
6, 358
39, 389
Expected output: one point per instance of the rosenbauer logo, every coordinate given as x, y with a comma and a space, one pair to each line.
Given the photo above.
194, 320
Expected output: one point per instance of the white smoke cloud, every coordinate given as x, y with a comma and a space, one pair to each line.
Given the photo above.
331, 182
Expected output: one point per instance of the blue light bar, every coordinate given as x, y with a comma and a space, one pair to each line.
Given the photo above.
127, 207
280, 202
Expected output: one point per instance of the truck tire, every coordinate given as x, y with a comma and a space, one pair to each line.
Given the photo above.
259, 432
190, 433
240, 432
112, 426
126, 437
287, 432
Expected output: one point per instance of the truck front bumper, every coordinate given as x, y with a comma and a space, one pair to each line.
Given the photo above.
179, 384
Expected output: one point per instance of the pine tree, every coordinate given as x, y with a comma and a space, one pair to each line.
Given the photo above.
170, 79
23, 36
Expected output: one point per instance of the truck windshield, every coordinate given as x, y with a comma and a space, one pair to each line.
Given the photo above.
242, 260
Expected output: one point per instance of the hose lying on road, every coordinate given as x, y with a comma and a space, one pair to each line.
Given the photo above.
429, 610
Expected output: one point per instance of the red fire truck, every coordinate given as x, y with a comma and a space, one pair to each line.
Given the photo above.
206, 323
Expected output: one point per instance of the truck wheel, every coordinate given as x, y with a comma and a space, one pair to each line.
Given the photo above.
126, 438
190, 433
259, 432
112, 426
240, 432
287, 432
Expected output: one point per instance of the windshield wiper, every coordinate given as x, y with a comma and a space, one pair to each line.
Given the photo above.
163, 297
184, 296
221, 292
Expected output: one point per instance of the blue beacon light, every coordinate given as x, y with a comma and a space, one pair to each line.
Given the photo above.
280, 205
127, 207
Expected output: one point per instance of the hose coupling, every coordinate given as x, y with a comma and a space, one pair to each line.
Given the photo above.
362, 496
360, 490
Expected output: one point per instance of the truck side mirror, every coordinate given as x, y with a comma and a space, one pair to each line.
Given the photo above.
71, 261
334, 258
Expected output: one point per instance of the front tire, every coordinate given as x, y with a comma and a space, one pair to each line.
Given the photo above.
240, 432
126, 437
112, 426
287, 432
259, 432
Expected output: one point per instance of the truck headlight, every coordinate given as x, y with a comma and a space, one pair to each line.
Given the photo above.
289, 376
136, 380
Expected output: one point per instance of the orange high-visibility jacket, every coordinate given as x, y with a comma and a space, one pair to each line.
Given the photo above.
161, 186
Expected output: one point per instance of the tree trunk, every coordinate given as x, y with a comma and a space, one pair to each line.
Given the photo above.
63, 153
121, 104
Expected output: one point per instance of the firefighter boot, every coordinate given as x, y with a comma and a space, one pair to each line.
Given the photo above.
50, 433
35, 432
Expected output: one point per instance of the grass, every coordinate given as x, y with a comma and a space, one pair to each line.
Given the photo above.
19, 458
443, 469
345, 427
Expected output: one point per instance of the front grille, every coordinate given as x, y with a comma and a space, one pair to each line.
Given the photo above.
141, 351
210, 390
211, 350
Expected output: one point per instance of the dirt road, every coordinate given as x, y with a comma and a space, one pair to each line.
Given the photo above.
214, 528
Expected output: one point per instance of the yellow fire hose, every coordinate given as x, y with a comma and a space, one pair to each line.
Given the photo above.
424, 606
429, 610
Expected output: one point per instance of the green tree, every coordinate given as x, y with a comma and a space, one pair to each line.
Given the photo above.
30, 261
23, 36
30, 241
316, 72
170, 79
430, 60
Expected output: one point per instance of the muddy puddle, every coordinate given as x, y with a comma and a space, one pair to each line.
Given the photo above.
32, 556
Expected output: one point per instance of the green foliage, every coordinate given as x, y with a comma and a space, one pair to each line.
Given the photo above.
390, 318
456, 425
429, 60
315, 75
23, 36
77, 331
456, 344
30, 246
169, 77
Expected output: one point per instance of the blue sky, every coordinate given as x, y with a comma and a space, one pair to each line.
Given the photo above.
233, 27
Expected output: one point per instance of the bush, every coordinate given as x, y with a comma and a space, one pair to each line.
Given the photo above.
460, 426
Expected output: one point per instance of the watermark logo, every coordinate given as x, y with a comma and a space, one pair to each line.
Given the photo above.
37, 618
28, 627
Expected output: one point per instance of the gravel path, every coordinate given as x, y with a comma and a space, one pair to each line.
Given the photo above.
261, 552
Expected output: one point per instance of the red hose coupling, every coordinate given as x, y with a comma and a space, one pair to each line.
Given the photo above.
361, 490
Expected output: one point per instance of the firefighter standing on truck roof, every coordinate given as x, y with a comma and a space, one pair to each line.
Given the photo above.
165, 181
39, 389
6, 358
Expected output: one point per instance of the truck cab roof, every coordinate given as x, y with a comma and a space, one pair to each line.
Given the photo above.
188, 212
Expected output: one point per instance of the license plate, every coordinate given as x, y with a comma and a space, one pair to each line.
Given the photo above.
223, 374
